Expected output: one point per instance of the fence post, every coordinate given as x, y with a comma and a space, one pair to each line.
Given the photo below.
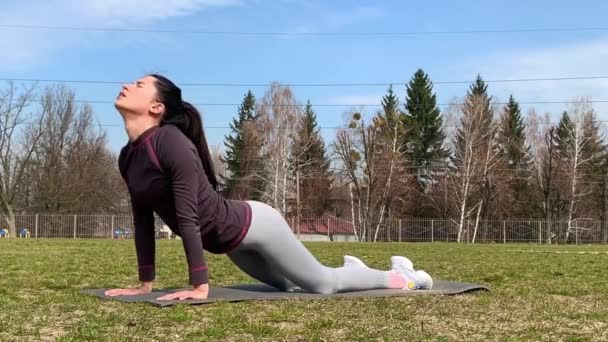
540, 232
112, 228
36, 227
328, 236
432, 230
504, 232
400, 227
75, 223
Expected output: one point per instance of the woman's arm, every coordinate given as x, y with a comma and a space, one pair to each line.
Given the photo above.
145, 248
143, 220
180, 161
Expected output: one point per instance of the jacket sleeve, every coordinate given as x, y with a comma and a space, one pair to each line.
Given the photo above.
145, 247
179, 160
143, 220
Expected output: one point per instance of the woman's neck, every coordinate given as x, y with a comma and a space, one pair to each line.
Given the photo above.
136, 126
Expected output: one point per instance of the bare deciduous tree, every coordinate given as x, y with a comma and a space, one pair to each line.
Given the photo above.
278, 114
360, 154
218, 164
72, 169
16, 148
546, 165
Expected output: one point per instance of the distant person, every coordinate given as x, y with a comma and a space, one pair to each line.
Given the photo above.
168, 170
24, 233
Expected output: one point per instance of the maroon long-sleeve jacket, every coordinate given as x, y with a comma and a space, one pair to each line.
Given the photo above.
164, 175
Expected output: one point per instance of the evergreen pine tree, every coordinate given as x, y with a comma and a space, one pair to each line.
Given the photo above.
595, 147
564, 135
240, 162
390, 121
312, 166
595, 151
478, 98
512, 137
391, 115
424, 139
516, 161
477, 104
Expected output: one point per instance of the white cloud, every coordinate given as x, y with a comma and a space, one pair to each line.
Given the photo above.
21, 49
117, 12
586, 58
336, 20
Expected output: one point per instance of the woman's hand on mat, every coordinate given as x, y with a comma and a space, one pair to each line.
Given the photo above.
144, 288
199, 292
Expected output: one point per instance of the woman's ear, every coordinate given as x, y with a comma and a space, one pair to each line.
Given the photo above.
157, 108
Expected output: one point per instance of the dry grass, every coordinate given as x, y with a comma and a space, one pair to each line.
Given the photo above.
536, 296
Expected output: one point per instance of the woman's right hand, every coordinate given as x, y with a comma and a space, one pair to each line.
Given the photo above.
142, 289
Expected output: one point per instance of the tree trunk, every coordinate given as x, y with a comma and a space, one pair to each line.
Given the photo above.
572, 200
477, 221
284, 192
352, 211
298, 200
463, 206
11, 221
548, 227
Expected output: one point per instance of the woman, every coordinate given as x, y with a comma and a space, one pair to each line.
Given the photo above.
168, 170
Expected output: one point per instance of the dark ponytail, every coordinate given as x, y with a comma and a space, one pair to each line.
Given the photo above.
186, 117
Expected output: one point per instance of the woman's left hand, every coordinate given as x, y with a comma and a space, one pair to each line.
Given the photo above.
200, 292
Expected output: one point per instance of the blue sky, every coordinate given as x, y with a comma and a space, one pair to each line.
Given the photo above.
192, 58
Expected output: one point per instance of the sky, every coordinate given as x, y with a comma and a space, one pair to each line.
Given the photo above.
188, 53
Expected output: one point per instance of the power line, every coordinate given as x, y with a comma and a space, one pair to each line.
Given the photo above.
341, 84
344, 127
211, 104
301, 34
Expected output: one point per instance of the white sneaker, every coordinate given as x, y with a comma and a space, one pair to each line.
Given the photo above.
351, 261
403, 262
416, 280
424, 281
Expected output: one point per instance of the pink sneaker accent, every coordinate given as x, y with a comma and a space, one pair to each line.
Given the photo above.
397, 280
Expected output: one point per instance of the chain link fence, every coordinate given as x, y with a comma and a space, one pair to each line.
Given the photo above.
330, 228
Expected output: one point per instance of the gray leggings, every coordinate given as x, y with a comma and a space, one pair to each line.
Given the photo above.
272, 254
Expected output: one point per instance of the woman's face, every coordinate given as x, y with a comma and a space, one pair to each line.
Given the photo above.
139, 98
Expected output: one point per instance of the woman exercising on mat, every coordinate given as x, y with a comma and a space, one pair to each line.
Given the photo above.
168, 170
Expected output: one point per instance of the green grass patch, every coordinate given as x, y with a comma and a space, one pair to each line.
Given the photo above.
539, 293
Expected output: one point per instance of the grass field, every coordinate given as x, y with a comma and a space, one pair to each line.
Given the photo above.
540, 295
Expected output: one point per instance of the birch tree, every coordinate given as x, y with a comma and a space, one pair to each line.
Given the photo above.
278, 115
392, 153
572, 143
474, 155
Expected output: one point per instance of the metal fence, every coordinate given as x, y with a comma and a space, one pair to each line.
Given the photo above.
329, 228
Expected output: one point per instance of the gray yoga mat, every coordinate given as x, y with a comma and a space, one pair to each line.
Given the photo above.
264, 292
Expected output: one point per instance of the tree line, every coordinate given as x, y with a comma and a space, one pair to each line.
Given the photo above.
474, 161
477, 160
